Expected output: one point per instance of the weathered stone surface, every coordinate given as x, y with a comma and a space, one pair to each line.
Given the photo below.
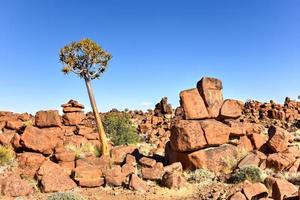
73, 118
214, 158
88, 176
6, 137
173, 180
130, 159
282, 189
253, 158
114, 176
15, 125
211, 91
103, 163
216, 133
258, 140
29, 163
231, 109
187, 135
47, 118
193, 104
280, 161
278, 141
174, 156
40, 140
71, 109
14, 186
64, 155
119, 153
153, 173
255, 190
67, 166
53, 178
147, 162
138, 184
238, 196
73, 103
173, 168
245, 143
128, 169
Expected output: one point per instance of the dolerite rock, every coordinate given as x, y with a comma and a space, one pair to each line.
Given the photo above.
53, 178
48, 118
211, 91
73, 113
14, 186
29, 163
231, 108
88, 176
193, 104
138, 184
163, 108
279, 139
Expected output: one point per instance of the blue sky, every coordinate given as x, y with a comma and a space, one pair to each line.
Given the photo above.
159, 48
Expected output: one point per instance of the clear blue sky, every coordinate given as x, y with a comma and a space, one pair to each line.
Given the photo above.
159, 48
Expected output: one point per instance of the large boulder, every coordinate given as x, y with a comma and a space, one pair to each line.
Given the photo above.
231, 109
73, 118
216, 133
47, 118
30, 162
174, 156
193, 104
211, 91
53, 178
278, 139
39, 140
187, 135
14, 186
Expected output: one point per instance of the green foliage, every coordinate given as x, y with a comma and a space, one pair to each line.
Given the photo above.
120, 129
202, 176
64, 196
82, 150
6, 155
85, 58
251, 173
28, 123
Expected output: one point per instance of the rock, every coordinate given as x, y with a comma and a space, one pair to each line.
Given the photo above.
282, 189
14, 125
67, 166
71, 109
147, 162
103, 163
214, 159
280, 161
173, 156
238, 196
138, 184
278, 141
193, 104
187, 135
119, 153
88, 176
14, 186
211, 91
154, 173
130, 159
258, 140
216, 133
231, 109
64, 155
39, 140
29, 163
53, 178
114, 176
73, 118
245, 143
47, 118
73, 103
253, 158
174, 167
255, 191
173, 180
128, 169
163, 108
6, 137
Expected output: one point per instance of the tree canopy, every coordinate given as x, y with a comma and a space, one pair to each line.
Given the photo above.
85, 58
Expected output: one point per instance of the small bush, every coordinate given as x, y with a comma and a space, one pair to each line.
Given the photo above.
199, 176
120, 129
82, 150
6, 155
64, 196
251, 173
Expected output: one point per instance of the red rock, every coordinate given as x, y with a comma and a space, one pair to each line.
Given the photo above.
238, 196
71, 109
103, 163
255, 190
253, 158
278, 141
40, 140
29, 163
211, 91
47, 118
173, 180
25, 117
14, 186
282, 189
138, 184
214, 158
231, 109
6, 137
65, 156
174, 167
245, 143
88, 176
119, 153
258, 140
173, 156
53, 178
15, 141
73, 118
154, 173
15, 125
128, 169
73, 103
147, 162
68, 167
193, 104
130, 159
280, 161
114, 176
216, 133
156, 120
187, 135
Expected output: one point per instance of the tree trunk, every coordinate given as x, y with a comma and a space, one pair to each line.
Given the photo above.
100, 128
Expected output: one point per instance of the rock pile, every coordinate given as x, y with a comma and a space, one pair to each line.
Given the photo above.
73, 113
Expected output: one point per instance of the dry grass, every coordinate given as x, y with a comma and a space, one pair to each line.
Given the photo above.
7, 155
82, 150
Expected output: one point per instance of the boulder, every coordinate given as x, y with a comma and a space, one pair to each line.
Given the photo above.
14, 125
128, 169
258, 140
278, 139
73, 118
283, 189
255, 191
88, 176
153, 173
39, 140
119, 153
187, 135
6, 137
253, 158
53, 178
174, 167
173, 180
29, 163
216, 133
14, 186
231, 109
147, 162
114, 176
173, 156
280, 161
47, 118
238, 196
193, 104
211, 91
138, 184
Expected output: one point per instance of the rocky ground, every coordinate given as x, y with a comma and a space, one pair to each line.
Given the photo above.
208, 148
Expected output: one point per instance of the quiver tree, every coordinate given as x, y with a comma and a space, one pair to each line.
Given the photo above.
88, 60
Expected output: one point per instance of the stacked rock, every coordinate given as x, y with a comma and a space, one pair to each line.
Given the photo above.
200, 139
73, 113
